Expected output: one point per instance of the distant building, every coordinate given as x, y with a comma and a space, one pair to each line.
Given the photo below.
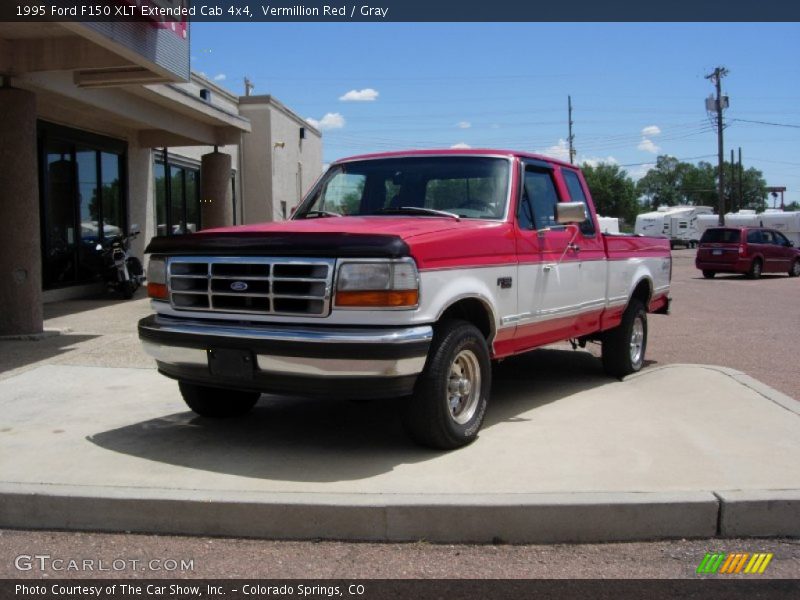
103, 126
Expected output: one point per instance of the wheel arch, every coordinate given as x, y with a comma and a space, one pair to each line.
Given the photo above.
642, 291
474, 309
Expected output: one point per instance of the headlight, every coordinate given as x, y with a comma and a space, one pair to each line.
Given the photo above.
379, 284
157, 278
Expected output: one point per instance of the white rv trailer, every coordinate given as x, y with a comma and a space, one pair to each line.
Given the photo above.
608, 224
677, 223
788, 223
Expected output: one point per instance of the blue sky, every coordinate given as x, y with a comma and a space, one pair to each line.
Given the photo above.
637, 89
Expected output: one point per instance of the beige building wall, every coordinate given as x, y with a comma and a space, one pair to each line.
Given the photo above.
278, 165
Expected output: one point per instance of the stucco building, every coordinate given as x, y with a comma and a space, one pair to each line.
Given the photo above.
103, 126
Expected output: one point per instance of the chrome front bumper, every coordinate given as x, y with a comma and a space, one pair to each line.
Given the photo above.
362, 362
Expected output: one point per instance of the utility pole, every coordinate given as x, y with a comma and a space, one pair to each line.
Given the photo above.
716, 79
570, 138
741, 176
733, 183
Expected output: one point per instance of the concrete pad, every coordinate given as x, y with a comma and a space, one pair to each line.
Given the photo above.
760, 513
565, 455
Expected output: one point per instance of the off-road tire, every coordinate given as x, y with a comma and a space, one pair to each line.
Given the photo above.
217, 403
620, 358
435, 415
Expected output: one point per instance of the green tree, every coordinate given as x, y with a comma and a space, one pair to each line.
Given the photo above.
664, 184
792, 206
613, 191
673, 182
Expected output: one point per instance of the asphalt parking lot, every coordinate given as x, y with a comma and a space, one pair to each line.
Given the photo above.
729, 321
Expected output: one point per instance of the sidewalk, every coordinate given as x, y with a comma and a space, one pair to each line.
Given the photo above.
93, 438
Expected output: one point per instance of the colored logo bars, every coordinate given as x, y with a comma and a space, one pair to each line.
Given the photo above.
728, 564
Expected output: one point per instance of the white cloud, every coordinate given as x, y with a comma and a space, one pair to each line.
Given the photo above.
365, 95
559, 150
647, 145
640, 171
593, 161
329, 121
461, 145
220, 77
463, 124
651, 130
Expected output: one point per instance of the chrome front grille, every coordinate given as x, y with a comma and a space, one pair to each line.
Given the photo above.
252, 285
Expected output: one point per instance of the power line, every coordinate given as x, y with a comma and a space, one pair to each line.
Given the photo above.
768, 123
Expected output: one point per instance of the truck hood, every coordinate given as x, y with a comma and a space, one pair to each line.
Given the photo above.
332, 236
402, 227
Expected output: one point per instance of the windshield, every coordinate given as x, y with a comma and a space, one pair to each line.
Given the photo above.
464, 186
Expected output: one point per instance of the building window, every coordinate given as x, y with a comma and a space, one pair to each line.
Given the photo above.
177, 198
83, 195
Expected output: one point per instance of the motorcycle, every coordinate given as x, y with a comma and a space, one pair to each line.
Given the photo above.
122, 272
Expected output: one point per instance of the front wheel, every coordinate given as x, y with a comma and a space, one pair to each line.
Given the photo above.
450, 398
217, 403
624, 346
795, 270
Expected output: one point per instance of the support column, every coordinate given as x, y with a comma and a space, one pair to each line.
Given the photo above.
21, 258
215, 200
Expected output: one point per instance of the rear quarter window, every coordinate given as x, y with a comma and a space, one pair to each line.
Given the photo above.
721, 236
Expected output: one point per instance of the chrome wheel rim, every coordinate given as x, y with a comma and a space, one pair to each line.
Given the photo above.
796, 268
637, 341
464, 386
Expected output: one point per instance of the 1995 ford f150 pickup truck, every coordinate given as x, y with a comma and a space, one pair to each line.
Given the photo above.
402, 274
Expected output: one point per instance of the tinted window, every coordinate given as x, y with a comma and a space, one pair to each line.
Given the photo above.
766, 237
721, 236
754, 236
540, 199
780, 239
576, 195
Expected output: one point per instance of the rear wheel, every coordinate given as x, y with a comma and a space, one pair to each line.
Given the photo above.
624, 346
709, 274
217, 403
795, 270
450, 398
755, 269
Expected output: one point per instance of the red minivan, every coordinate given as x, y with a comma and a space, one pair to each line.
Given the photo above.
748, 250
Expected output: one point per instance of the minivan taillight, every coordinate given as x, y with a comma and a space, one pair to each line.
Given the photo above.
742, 250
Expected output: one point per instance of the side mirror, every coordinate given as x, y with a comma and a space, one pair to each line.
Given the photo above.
570, 212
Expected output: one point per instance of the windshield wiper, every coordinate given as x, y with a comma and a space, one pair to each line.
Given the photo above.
419, 210
321, 213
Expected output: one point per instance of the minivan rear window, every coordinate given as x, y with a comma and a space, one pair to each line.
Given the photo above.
721, 236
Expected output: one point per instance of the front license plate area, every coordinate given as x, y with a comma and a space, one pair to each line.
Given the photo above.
231, 363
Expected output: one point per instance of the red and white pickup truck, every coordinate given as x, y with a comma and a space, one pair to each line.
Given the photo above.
402, 274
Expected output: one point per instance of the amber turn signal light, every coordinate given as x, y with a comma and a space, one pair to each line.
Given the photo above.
381, 298
157, 291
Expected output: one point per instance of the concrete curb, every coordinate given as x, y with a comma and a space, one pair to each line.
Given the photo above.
512, 518
762, 513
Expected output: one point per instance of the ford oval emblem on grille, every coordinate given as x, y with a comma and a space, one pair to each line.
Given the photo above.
238, 286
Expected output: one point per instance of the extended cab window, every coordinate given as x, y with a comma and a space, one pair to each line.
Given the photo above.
576, 195
467, 186
539, 198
